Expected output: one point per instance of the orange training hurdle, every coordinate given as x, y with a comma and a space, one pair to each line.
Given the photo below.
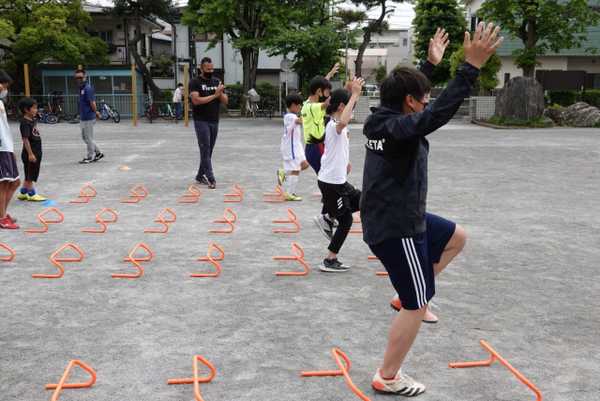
229, 218
495, 356
196, 380
292, 219
298, 257
86, 193
344, 364
356, 220
42, 218
136, 261
164, 220
57, 261
236, 196
102, 222
212, 260
383, 274
136, 194
11, 253
277, 196
192, 195
62, 385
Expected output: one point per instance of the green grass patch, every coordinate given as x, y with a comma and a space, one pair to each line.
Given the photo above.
515, 122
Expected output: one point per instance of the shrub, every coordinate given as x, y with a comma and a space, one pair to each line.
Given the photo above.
564, 98
592, 97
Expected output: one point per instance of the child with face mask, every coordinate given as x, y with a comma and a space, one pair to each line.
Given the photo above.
9, 173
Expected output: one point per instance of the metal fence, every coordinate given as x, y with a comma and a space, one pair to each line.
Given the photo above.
482, 107
70, 103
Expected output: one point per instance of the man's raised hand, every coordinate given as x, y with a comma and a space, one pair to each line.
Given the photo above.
437, 46
484, 43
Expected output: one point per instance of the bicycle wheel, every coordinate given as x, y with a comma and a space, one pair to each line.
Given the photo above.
51, 119
116, 116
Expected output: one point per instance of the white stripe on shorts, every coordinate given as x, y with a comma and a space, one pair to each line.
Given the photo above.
419, 270
415, 278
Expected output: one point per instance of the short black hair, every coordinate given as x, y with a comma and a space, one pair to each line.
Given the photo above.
80, 70
5, 78
338, 97
293, 98
25, 104
317, 83
180, 84
205, 60
401, 82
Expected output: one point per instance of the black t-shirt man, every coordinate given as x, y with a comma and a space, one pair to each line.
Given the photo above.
206, 87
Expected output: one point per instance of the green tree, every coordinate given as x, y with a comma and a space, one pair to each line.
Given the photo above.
368, 26
542, 25
433, 14
488, 78
136, 11
37, 30
380, 73
314, 40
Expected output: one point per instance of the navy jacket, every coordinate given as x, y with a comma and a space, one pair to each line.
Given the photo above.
394, 194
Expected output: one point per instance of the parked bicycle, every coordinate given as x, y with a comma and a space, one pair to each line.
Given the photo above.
107, 112
47, 117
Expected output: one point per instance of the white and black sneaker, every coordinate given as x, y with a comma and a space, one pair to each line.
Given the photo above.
98, 156
86, 160
324, 225
333, 266
203, 180
401, 385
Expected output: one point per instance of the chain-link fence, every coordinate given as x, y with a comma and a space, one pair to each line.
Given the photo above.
482, 107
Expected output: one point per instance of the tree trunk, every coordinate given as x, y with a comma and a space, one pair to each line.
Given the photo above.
530, 43
141, 65
361, 51
249, 67
368, 30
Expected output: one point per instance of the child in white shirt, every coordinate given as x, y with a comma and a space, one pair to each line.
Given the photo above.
340, 198
292, 148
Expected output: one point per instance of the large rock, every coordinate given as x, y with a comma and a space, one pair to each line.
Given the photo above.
581, 114
521, 98
555, 114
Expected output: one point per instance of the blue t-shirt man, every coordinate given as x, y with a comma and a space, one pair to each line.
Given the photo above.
87, 117
87, 95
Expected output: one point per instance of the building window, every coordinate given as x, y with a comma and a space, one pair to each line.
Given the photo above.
204, 36
404, 42
106, 36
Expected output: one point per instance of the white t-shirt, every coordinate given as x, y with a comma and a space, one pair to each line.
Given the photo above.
334, 162
6, 139
178, 95
292, 147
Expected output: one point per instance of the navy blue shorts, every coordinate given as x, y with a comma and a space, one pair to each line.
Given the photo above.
409, 261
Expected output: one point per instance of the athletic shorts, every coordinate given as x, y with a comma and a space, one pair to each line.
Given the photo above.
32, 170
292, 165
8, 167
409, 261
339, 199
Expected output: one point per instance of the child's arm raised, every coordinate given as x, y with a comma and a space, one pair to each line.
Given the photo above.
357, 84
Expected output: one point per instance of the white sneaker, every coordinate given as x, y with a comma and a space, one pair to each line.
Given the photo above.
402, 385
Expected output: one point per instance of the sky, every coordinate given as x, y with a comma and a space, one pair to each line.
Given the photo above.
401, 18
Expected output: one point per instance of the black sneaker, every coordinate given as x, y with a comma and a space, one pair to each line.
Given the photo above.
86, 160
324, 225
333, 266
202, 180
212, 184
98, 156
